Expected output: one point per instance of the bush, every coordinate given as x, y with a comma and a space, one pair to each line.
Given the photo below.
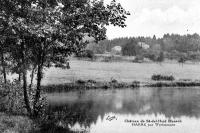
13, 100
92, 81
162, 77
108, 59
138, 59
80, 81
113, 80
89, 54
130, 49
182, 60
15, 124
86, 54
160, 57
135, 84
150, 55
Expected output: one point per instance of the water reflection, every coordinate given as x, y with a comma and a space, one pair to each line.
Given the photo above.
88, 109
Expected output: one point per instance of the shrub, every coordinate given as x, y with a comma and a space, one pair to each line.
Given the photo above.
92, 81
80, 81
89, 54
130, 48
15, 124
182, 60
113, 80
108, 59
135, 84
86, 54
138, 59
160, 57
162, 77
13, 100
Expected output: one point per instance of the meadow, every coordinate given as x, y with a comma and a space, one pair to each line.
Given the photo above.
121, 71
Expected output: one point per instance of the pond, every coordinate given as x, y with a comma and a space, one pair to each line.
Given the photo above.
142, 110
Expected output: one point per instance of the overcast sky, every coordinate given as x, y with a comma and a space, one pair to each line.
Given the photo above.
149, 17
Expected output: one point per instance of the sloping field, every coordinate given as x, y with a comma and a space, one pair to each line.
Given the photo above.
122, 71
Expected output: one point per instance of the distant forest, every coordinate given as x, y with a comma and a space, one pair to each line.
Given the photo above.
172, 46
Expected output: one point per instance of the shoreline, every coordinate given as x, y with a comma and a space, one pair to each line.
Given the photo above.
20, 121
91, 84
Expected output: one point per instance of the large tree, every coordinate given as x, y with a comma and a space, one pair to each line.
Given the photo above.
46, 32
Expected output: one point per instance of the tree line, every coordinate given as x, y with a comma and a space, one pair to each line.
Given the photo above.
173, 45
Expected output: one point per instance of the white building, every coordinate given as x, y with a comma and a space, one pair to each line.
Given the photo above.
116, 50
143, 45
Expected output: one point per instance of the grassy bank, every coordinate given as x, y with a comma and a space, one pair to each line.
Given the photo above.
174, 84
90, 84
85, 85
15, 124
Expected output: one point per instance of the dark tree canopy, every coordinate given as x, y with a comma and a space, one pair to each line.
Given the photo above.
173, 46
130, 49
43, 33
60, 26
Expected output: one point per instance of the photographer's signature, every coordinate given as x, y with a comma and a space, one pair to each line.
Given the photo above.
111, 118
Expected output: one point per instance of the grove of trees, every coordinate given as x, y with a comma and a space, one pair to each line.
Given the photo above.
174, 46
38, 34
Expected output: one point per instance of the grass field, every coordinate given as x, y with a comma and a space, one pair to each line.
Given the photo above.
122, 71
15, 124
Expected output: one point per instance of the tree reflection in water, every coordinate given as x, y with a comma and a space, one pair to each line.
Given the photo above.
88, 106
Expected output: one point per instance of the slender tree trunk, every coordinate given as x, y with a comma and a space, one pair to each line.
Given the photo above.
19, 77
38, 90
4, 68
26, 97
32, 76
39, 78
4, 75
24, 78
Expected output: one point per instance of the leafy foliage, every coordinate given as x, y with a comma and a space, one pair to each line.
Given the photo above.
161, 57
43, 33
86, 54
162, 77
130, 48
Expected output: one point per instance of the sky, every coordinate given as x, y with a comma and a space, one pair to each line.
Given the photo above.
158, 17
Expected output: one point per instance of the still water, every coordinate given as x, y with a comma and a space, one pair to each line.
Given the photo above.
142, 110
